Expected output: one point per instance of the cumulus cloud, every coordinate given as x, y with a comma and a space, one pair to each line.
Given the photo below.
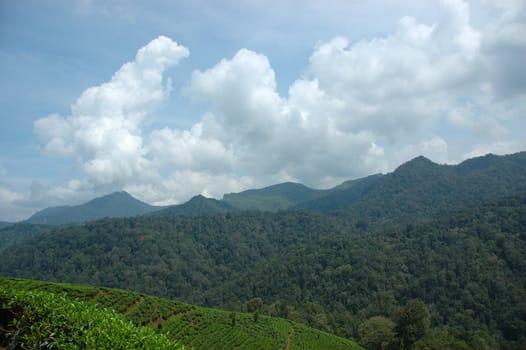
104, 130
360, 108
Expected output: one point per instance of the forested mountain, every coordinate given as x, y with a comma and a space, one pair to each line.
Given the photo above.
467, 267
421, 189
281, 196
342, 196
4, 224
118, 204
196, 206
418, 189
20, 232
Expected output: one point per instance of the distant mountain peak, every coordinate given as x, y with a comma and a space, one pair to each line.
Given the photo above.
116, 204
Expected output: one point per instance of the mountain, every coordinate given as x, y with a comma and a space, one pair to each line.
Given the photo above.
422, 190
341, 196
118, 204
191, 326
272, 198
418, 188
198, 205
5, 224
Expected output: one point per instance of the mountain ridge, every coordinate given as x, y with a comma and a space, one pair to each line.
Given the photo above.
116, 204
414, 186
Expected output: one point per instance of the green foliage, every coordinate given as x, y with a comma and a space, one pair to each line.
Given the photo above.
273, 198
200, 328
17, 233
37, 319
310, 268
377, 333
198, 205
412, 323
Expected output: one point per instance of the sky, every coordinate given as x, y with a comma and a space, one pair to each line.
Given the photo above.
170, 99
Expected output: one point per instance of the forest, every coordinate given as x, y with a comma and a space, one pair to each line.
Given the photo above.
466, 269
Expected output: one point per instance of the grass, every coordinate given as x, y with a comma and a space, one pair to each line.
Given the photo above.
195, 327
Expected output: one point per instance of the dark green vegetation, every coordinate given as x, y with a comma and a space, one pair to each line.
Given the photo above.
197, 327
353, 261
44, 320
273, 198
118, 204
4, 224
468, 268
195, 206
21, 232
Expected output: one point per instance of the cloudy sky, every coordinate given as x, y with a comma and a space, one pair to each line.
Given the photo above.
169, 99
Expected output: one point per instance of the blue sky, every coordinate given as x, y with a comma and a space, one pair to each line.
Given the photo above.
169, 99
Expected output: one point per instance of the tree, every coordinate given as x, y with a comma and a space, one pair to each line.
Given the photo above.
377, 333
233, 318
412, 323
254, 304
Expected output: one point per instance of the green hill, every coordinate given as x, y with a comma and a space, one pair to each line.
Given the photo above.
118, 204
196, 327
32, 319
421, 189
198, 205
342, 196
272, 198
20, 232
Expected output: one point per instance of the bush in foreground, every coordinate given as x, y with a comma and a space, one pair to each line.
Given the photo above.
43, 320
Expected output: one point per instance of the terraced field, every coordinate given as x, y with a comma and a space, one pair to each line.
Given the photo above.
196, 327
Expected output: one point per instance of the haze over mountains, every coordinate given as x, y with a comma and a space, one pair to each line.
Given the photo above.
118, 204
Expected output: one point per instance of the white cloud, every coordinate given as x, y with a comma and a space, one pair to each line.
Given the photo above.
104, 131
498, 147
360, 108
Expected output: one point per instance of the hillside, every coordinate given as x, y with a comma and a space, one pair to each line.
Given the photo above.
20, 232
342, 196
421, 189
4, 224
192, 326
118, 204
276, 197
198, 205
467, 266
33, 319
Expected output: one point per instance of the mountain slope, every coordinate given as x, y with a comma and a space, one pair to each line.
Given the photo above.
272, 198
341, 196
18, 233
200, 328
421, 189
118, 204
198, 205
5, 224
